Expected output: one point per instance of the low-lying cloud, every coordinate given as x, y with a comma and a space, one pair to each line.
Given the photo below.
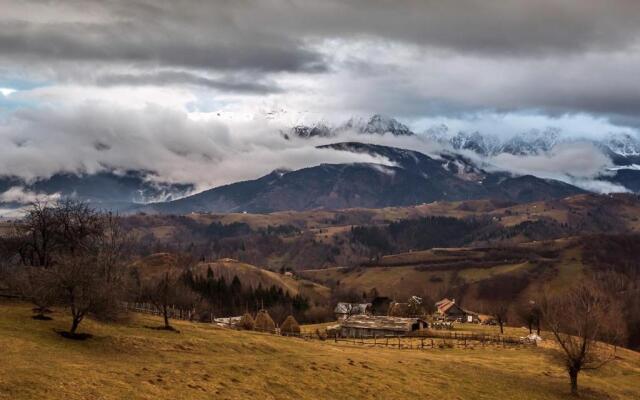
98, 137
20, 195
580, 163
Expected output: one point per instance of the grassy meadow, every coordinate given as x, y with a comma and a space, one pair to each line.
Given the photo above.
131, 361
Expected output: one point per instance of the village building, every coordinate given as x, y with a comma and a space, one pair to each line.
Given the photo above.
227, 322
345, 310
450, 310
378, 326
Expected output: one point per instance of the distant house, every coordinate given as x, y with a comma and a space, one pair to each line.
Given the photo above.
376, 325
289, 274
448, 309
345, 310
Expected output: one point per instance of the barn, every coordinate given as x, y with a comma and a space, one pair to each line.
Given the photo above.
448, 309
375, 325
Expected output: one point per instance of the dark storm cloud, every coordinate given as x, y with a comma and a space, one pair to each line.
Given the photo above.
227, 84
133, 42
268, 34
553, 56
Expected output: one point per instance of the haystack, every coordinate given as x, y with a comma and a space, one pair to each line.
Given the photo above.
264, 322
246, 322
290, 326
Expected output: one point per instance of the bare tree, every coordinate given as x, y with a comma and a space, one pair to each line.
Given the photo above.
37, 285
499, 309
90, 274
74, 255
529, 312
38, 234
579, 319
166, 291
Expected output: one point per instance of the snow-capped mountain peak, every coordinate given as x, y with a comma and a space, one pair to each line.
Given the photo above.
623, 144
380, 124
377, 124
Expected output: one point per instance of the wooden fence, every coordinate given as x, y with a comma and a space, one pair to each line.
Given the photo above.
424, 340
148, 308
420, 340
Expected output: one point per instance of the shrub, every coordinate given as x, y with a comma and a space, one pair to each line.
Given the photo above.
290, 326
246, 322
264, 323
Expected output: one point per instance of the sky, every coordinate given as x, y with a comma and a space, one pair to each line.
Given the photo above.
199, 91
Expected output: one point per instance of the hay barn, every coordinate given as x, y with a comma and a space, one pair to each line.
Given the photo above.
370, 325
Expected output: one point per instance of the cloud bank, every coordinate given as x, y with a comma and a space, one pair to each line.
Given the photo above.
197, 91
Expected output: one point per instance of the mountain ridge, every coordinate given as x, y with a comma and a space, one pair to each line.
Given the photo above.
411, 178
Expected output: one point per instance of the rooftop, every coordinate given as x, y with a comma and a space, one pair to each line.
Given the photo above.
380, 322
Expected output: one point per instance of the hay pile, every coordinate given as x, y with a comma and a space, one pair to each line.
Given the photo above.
264, 323
290, 326
247, 322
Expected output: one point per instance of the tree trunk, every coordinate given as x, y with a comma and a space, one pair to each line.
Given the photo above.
165, 310
573, 375
74, 325
530, 328
501, 327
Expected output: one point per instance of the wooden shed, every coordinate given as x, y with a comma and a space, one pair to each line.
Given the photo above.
375, 325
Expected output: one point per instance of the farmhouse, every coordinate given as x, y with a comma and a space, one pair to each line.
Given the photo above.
344, 310
370, 325
448, 309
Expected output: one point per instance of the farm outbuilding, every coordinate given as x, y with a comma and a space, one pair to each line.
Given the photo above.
345, 310
374, 325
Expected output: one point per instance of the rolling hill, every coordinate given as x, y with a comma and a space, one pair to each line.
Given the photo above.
157, 264
129, 360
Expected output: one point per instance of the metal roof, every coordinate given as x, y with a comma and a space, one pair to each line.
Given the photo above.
380, 322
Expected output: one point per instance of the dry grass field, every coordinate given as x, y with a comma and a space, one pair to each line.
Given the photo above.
131, 361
